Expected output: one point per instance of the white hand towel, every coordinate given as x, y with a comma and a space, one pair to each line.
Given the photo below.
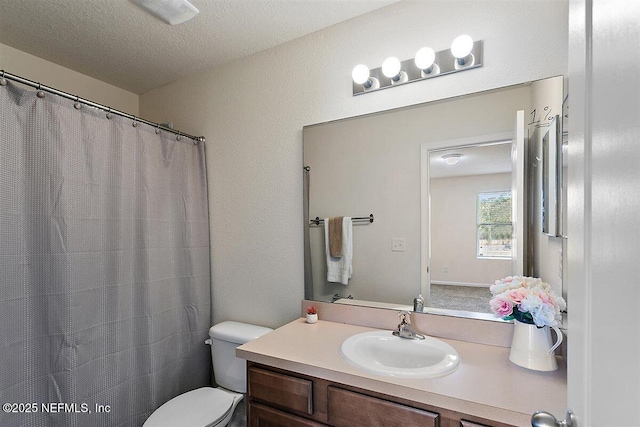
339, 270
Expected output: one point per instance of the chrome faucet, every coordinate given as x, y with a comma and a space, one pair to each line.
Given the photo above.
405, 330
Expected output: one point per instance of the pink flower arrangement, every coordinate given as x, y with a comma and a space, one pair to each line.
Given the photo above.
312, 310
528, 300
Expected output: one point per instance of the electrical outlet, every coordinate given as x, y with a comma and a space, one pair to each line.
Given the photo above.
397, 244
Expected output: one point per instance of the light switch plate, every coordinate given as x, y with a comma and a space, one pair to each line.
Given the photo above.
397, 244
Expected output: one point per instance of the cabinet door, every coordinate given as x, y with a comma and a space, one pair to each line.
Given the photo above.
350, 409
263, 416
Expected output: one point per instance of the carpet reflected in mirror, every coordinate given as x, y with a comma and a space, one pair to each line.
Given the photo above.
467, 298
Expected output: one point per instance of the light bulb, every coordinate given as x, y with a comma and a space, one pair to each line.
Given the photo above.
391, 67
360, 74
425, 58
462, 46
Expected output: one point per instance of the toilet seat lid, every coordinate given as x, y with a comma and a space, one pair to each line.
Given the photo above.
204, 406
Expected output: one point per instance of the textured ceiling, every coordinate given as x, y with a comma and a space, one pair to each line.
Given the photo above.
117, 42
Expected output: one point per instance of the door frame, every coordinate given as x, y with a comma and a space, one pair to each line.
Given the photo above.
603, 227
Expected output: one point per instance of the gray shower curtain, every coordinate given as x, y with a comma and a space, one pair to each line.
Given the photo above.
104, 265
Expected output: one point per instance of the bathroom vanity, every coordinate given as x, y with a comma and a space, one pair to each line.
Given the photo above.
297, 376
279, 397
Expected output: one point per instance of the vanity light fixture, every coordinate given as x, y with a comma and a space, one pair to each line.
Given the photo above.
464, 54
451, 159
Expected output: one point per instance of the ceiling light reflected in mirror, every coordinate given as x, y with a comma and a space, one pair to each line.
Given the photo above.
452, 159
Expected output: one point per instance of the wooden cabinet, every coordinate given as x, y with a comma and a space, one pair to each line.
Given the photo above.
278, 398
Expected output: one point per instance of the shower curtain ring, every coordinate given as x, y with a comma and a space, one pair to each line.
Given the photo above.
135, 123
109, 115
40, 93
3, 81
179, 137
77, 105
157, 129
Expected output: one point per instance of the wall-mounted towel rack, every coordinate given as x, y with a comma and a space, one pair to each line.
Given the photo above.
319, 221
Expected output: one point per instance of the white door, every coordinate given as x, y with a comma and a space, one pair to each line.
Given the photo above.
604, 213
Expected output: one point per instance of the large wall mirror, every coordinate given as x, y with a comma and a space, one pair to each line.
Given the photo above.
446, 231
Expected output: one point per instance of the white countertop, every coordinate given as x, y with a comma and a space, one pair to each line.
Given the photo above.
486, 383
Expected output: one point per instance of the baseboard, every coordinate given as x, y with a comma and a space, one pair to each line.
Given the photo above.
474, 285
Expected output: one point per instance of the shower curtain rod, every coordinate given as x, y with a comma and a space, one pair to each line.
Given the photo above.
37, 85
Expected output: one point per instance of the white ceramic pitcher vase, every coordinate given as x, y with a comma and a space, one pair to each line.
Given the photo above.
532, 347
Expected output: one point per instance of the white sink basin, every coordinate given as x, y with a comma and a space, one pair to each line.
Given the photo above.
381, 353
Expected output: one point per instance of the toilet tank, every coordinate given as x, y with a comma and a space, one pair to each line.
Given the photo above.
230, 371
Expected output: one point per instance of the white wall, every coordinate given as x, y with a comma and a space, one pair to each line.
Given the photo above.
453, 230
53, 75
252, 112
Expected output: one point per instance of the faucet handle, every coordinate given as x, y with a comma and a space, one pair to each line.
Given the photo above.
405, 317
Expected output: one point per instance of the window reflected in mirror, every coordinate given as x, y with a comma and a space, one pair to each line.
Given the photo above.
493, 224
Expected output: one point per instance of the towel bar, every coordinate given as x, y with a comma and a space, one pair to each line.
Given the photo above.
369, 218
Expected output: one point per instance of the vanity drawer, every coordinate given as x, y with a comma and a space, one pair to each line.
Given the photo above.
288, 392
350, 409
464, 423
263, 416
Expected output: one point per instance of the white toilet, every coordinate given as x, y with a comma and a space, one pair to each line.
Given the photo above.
208, 406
